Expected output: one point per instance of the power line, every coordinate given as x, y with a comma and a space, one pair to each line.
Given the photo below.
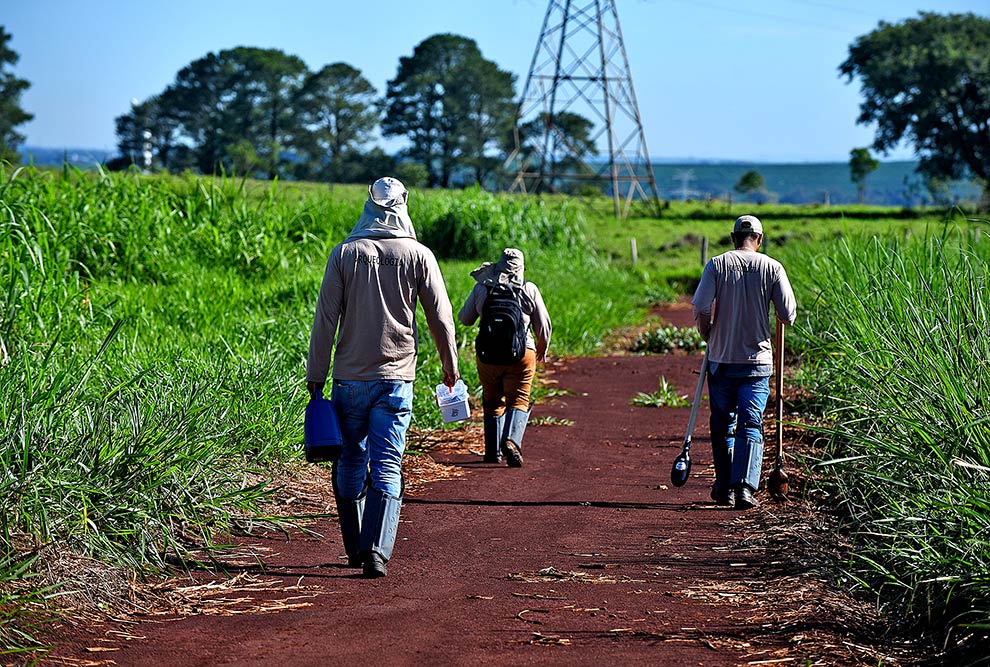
845, 10
764, 15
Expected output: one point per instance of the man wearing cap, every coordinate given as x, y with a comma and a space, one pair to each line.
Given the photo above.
371, 285
731, 309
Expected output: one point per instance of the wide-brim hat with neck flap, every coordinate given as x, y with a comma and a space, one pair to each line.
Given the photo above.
385, 214
508, 270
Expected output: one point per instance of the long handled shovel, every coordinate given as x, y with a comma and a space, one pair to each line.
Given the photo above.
682, 464
777, 484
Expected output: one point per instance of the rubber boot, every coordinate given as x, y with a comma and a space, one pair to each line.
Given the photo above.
722, 458
493, 428
512, 436
381, 522
349, 513
747, 456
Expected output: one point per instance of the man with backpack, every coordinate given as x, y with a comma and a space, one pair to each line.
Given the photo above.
507, 351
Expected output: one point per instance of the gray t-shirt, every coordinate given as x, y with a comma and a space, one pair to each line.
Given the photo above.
734, 295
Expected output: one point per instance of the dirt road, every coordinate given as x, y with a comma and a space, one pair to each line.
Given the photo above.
584, 556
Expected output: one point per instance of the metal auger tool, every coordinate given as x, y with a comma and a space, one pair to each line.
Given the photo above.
682, 464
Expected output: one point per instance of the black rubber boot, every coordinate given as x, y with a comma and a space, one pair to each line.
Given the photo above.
349, 513
512, 436
493, 428
721, 490
378, 529
744, 497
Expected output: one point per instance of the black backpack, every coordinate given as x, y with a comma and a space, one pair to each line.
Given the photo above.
501, 334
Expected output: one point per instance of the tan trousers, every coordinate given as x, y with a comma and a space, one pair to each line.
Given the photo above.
507, 386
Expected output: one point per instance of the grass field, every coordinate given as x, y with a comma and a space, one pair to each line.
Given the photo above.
154, 333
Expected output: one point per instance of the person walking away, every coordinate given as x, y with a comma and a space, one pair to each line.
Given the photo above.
511, 310
367, 301
731, 309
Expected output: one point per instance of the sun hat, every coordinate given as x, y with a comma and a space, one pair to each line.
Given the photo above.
388, 192
508, 270
748, 224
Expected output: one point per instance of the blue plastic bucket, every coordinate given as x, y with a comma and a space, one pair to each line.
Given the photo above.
321, 431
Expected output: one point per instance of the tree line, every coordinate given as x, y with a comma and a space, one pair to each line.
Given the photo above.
262, 112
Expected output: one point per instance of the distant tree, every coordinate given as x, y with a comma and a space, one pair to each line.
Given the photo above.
11, 113
222, 100
148, 125
366, 166
338, 113
264, 83
412, 174
451, 104
752, 182
861, 165
200, 99
243, 158
559, 144
927, 80
484, 103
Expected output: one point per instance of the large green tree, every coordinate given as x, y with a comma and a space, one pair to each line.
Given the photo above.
265, 84
338, 111
11, 113
226, 109
201, 100
927, 81
452, 105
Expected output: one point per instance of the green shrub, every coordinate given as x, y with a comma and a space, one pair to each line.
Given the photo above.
664, 397
668, 338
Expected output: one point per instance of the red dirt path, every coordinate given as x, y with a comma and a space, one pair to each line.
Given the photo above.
470, 581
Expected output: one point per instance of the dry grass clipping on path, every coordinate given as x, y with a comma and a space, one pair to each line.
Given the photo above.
300, 493
792, 608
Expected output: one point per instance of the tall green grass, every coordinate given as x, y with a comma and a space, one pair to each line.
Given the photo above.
895, 334
153, 335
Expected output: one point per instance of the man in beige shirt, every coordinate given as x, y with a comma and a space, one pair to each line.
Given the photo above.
373, 280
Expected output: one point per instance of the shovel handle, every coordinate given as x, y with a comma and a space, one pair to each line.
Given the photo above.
779, 363
697, 400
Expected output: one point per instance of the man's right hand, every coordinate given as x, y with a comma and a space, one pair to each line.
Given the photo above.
314, 388
450, 379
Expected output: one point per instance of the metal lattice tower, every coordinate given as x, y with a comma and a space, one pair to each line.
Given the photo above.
580, 67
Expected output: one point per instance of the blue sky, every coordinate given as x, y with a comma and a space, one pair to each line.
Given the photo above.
715, 79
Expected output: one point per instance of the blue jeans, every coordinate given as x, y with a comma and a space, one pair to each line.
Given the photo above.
737, 405
374, 417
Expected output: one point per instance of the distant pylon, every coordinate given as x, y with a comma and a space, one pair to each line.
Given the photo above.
580, 73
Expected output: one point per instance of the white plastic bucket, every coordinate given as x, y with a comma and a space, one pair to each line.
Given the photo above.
453, 402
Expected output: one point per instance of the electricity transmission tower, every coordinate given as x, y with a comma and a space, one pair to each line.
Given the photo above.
580, 73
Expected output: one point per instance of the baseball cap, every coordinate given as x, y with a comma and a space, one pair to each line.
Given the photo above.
388, 191
748, 223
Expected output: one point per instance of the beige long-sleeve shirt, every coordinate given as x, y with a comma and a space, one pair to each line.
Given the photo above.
368, 301
533, 309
